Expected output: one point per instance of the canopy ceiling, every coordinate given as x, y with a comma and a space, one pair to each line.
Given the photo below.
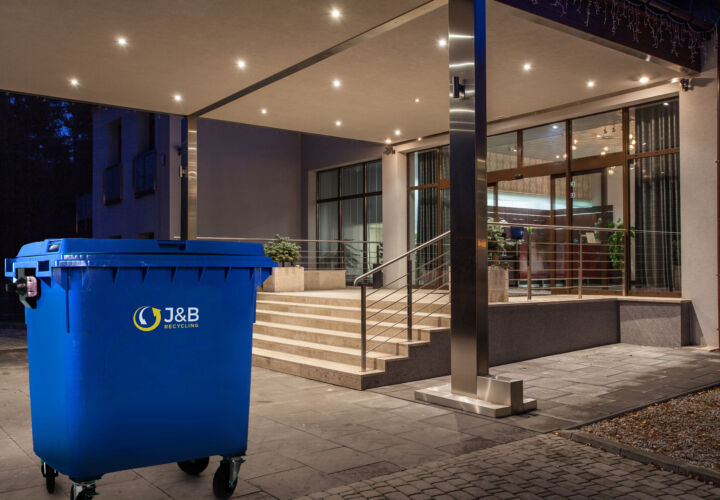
191, 49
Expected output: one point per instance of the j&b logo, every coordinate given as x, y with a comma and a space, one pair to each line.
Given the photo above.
173, 318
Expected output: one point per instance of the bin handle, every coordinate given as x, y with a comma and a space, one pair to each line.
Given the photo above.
180, 245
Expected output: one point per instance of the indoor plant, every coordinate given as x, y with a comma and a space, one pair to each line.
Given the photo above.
498, 270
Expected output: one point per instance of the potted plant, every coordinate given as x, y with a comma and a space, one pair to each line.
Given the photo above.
284, 279
616, 243
498, 270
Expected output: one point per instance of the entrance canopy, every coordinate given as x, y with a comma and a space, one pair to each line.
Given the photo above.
371, 70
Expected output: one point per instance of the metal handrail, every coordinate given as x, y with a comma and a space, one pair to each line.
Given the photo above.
400, 257
224, 238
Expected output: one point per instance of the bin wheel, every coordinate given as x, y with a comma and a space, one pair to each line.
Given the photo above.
194, 467
222, 487
49, 474
82, 491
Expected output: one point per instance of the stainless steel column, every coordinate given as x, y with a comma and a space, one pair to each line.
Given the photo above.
468, 199
188, 201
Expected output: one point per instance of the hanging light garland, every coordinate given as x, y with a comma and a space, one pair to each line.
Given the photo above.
640, 20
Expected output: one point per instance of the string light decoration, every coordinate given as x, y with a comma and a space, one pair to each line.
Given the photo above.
640, 20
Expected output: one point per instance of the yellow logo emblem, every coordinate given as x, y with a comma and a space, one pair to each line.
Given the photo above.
141, 323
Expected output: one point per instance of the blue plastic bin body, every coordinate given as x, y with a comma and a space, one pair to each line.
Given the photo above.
139, 350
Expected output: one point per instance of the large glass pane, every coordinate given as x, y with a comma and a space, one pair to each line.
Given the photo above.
352, 180
655, 213
445, 162
561, 237
544, 144
597, 197
328, 256
525, 201
374, 230
327, 184
597, 135
374, 176
423, 167
502, 152
654, 127
423, 224
353, 230
491, 205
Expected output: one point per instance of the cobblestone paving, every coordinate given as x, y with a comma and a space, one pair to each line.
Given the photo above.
546, 466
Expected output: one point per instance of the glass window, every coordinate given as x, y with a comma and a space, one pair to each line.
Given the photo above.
352, 180
654, 127
374, 176
525, 201
597, 135
327, 184
353, 229
423, 167
544, 144
597, 197
502, 152
327, 229
445, 162
374, 230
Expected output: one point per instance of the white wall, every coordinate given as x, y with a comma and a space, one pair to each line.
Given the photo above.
698, 199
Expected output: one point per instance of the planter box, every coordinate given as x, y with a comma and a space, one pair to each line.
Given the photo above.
285, 279
326, 279
498, 284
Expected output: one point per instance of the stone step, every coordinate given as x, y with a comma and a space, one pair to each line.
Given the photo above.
315, 369
333, 338
344, 355
376, 299
423, 314
374, 328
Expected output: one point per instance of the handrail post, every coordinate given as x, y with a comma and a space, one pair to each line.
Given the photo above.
363, 328
580, 268
409, 298
529, 266
625, 264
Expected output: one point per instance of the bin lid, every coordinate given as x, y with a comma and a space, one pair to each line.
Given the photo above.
87, 246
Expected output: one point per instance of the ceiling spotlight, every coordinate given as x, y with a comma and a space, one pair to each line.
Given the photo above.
336, 83
74, 82
557, 157
419, 138
527, 66
241, 64
555, 127
335, 13
675, 80
598, 136
177, 98
591, 83
263, 111
442, 42
338, 123
417, 99
397, 131
388, 141
666, 104
122, 41
644, 79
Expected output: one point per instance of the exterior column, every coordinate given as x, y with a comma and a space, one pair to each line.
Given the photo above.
468, 198
188, 205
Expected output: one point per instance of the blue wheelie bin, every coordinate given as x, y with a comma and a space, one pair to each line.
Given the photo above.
139, 354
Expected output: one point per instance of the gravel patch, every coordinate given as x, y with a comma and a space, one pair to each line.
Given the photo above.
686, 428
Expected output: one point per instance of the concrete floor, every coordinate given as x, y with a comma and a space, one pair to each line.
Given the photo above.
307, 436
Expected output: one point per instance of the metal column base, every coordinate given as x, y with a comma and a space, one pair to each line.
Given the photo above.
497, 396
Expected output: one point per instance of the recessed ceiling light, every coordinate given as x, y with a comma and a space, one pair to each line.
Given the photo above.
527, 66
263, 111
388, 141
598, 136
591, 83
121, 41
241, 64
666, 104
555, 127
644, 79
675, 80
177, 98
336, 83
442, 42
603, 153
557, 157
338, 123
335, 13
574, 147
419, 138
417, 99
397, 131
74, 82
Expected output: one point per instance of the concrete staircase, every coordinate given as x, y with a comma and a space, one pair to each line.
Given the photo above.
318, 337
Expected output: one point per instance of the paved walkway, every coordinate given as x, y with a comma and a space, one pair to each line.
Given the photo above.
307, 436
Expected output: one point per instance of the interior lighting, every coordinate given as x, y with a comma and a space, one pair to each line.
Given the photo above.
442, 42
527, 67
122, 41
574, 148
397, 131
335, 13
74, 82
591, 83
666, 104
417, 99
557, 157
644, 79
263, 111
575, 141
675, 80
419, 138
388, 141
598, 136
603, 153
241, 64
177, 98
338, 123
336, 83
